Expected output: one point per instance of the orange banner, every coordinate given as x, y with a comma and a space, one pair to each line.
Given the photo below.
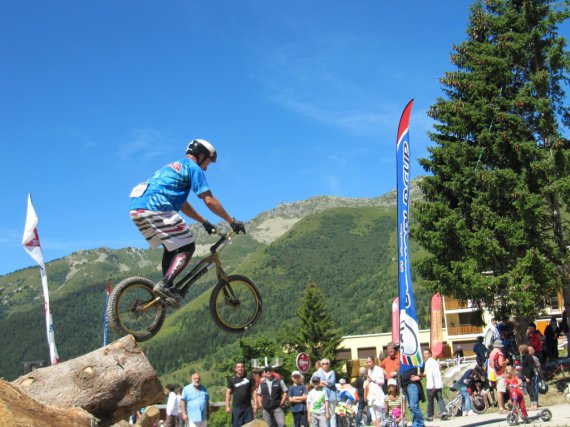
436, 335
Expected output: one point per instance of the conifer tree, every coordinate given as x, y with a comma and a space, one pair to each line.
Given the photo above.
317, 334
500, 169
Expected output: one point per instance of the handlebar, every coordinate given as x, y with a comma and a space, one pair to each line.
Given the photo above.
222, 241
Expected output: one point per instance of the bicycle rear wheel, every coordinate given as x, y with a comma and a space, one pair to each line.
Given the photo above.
478, 403
235, 304
133, 309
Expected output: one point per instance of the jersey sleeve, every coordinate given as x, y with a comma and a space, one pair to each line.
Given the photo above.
198, 181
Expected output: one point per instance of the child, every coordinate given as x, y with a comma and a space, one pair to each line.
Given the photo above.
514, 385
298, 399
317, 405
395, 403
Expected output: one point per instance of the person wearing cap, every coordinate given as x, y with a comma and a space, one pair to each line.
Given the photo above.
328, 382
359, 385
395, 402
273, 394
497, 364
391, 364
318, 404
298, 400
434, 385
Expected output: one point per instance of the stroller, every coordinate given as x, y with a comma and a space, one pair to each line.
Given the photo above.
390, 419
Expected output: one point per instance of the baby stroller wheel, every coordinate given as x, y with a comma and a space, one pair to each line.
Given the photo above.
512, 420
545, 415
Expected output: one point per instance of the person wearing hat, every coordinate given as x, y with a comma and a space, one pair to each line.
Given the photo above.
273, 394
298, 400
328, 382
318, 404
395, 402
497, 364
359, 385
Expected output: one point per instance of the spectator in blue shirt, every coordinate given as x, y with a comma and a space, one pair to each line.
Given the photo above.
298, 400
194, 403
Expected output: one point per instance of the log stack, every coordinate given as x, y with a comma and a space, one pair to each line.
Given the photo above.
97, 389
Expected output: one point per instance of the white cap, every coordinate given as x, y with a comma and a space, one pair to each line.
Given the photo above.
392, 381
342, 381
296, 374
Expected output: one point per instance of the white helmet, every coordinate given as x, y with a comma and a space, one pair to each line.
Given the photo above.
201, 146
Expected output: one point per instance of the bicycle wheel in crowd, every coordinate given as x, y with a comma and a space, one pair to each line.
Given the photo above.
512, 419
133, 309
235, 304
478, 404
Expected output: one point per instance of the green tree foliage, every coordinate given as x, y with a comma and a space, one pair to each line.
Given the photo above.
500, 167
316, 334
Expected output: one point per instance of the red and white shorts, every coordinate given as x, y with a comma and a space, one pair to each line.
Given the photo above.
162, 228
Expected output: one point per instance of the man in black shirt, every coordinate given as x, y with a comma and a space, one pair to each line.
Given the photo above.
241, 388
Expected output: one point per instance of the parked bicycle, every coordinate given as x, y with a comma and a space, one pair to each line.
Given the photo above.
235, 302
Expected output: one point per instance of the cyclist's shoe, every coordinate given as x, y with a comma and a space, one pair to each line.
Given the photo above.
429, 418
170, 295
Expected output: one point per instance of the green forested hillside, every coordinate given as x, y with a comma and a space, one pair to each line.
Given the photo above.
349, 252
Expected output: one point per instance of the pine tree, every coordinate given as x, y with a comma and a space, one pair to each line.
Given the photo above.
491, 219
316, 334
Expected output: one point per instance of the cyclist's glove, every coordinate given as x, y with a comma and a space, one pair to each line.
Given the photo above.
238, 227
210, 228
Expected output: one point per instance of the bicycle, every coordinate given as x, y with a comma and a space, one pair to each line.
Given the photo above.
235, 302
515, 413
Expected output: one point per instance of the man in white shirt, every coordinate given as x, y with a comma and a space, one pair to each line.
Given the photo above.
434, 385
172, 407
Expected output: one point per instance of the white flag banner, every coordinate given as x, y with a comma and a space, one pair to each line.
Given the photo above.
31, 243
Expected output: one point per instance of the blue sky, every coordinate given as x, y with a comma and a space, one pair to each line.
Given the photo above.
300, 99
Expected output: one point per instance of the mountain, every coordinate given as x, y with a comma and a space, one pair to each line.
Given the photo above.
347, 246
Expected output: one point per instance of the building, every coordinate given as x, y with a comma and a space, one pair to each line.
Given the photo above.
460, 320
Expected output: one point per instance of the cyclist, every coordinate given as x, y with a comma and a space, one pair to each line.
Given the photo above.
155, 205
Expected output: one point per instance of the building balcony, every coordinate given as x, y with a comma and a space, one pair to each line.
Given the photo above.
455, 304
464, 330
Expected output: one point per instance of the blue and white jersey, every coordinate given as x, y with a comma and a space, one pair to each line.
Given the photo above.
170, 186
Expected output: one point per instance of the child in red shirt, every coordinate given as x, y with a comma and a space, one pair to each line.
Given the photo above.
514, 385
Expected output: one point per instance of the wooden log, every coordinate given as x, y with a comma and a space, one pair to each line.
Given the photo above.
110, 382
149, 416
18, 409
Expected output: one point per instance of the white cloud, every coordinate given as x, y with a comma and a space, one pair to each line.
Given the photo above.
144, 144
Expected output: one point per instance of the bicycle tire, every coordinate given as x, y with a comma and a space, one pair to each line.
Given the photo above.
546, 415
123, 314
478, 404
236, 315
512, 419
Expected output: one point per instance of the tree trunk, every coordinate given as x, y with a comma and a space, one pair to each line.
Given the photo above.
18, 409
110, 382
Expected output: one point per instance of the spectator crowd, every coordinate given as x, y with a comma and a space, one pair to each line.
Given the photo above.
381, 393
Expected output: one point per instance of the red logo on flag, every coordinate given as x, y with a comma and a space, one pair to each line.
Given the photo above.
35, 242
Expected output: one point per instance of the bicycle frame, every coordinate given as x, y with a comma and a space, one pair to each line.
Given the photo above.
205, 265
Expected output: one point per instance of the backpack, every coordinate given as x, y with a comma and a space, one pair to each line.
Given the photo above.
496, 366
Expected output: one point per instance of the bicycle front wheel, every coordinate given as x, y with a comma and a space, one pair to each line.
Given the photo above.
235, 304
133, 309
